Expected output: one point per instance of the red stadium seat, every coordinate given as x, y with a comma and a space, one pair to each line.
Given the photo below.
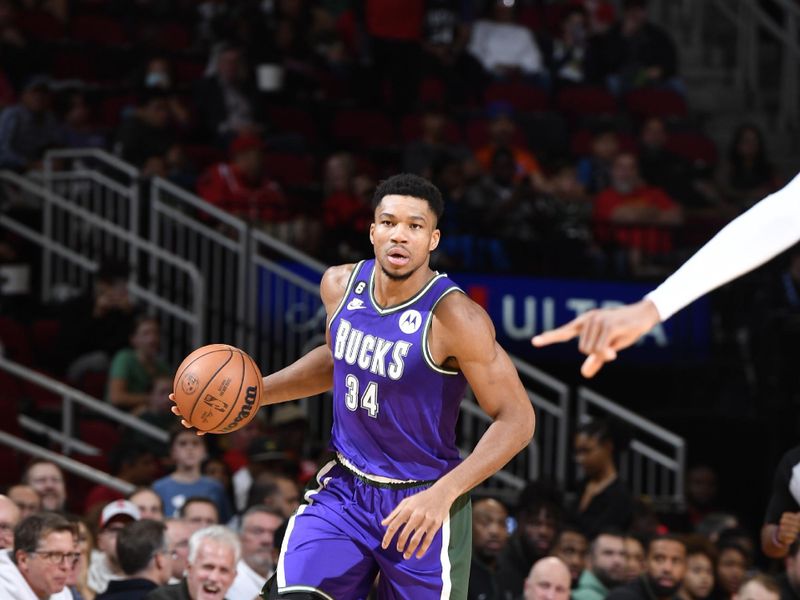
585, 100
290, 169
363, 128
94, 383
522, 96
98, 29
44, 335
173, 37
100, 434
694, 147
411, 129
203, 155
431, 92
655, 102
292, 119
15, 341
188, 70
40, 25
74, 64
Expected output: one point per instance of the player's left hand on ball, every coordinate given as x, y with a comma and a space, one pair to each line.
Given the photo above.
417, 519
176, 411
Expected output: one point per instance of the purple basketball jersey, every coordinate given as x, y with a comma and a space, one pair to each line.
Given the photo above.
394, 409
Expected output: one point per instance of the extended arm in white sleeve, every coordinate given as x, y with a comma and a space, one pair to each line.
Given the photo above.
750, 240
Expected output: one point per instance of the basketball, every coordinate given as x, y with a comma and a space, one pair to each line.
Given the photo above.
218, 388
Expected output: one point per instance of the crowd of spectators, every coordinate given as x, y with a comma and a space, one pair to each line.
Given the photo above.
287, 113
213, 526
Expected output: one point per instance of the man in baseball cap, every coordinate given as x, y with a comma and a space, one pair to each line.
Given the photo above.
104, 565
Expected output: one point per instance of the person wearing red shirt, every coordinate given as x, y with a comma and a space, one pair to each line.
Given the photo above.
632, 214
242, 187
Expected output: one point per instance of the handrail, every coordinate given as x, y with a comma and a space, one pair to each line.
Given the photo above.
97, 153
83, 399
630, 416
67, 464
67, 443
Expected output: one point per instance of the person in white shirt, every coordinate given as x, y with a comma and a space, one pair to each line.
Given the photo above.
503, 46
256, 565
45, 550
747, 242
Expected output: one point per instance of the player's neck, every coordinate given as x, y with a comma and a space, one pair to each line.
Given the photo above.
391, 292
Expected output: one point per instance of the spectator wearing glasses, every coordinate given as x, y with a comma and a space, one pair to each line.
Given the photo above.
144, 556
40, 563
257, 537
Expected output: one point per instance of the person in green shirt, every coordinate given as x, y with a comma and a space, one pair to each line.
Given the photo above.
134, 370
605, 566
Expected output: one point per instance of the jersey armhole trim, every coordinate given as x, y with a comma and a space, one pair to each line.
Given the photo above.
426, 351
347, 290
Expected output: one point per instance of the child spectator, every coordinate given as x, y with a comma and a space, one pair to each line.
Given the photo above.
188, 451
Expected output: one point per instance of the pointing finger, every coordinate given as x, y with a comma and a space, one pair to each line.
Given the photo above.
559, 334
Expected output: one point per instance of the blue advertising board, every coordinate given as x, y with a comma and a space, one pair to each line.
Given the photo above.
521, 307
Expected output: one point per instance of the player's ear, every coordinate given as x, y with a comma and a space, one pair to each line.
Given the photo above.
435, 237
371, 230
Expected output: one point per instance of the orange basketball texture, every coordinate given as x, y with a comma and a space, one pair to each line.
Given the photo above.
218, 388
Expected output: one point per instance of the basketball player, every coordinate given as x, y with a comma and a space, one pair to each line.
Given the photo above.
403, 342
750, 240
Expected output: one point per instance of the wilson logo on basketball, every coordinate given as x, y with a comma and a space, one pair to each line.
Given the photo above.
251, 393
189, 384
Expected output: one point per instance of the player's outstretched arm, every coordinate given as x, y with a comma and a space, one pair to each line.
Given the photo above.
750, 240
602, 333
311, 374
462, 331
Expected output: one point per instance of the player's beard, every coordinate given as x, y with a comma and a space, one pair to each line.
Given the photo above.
395, 276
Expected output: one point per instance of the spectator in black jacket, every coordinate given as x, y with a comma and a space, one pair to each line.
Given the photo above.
225, 99
603, 499
634, 53
144, 558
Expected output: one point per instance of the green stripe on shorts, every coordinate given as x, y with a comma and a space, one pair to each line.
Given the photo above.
459, 549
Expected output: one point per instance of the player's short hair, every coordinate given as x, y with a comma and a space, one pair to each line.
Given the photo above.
217, 533
31, 530
138, 543
408, 184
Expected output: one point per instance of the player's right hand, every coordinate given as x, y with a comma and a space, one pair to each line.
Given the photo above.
603, 332
176, 411
788, 528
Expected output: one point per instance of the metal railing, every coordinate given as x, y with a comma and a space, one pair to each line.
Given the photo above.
70, 397
753, 29
546, 455
72, 256
654, 463
67, 464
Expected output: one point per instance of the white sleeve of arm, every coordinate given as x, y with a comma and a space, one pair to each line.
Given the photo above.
750, 240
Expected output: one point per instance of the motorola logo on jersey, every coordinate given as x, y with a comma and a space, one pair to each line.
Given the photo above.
410, 321
371, 353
